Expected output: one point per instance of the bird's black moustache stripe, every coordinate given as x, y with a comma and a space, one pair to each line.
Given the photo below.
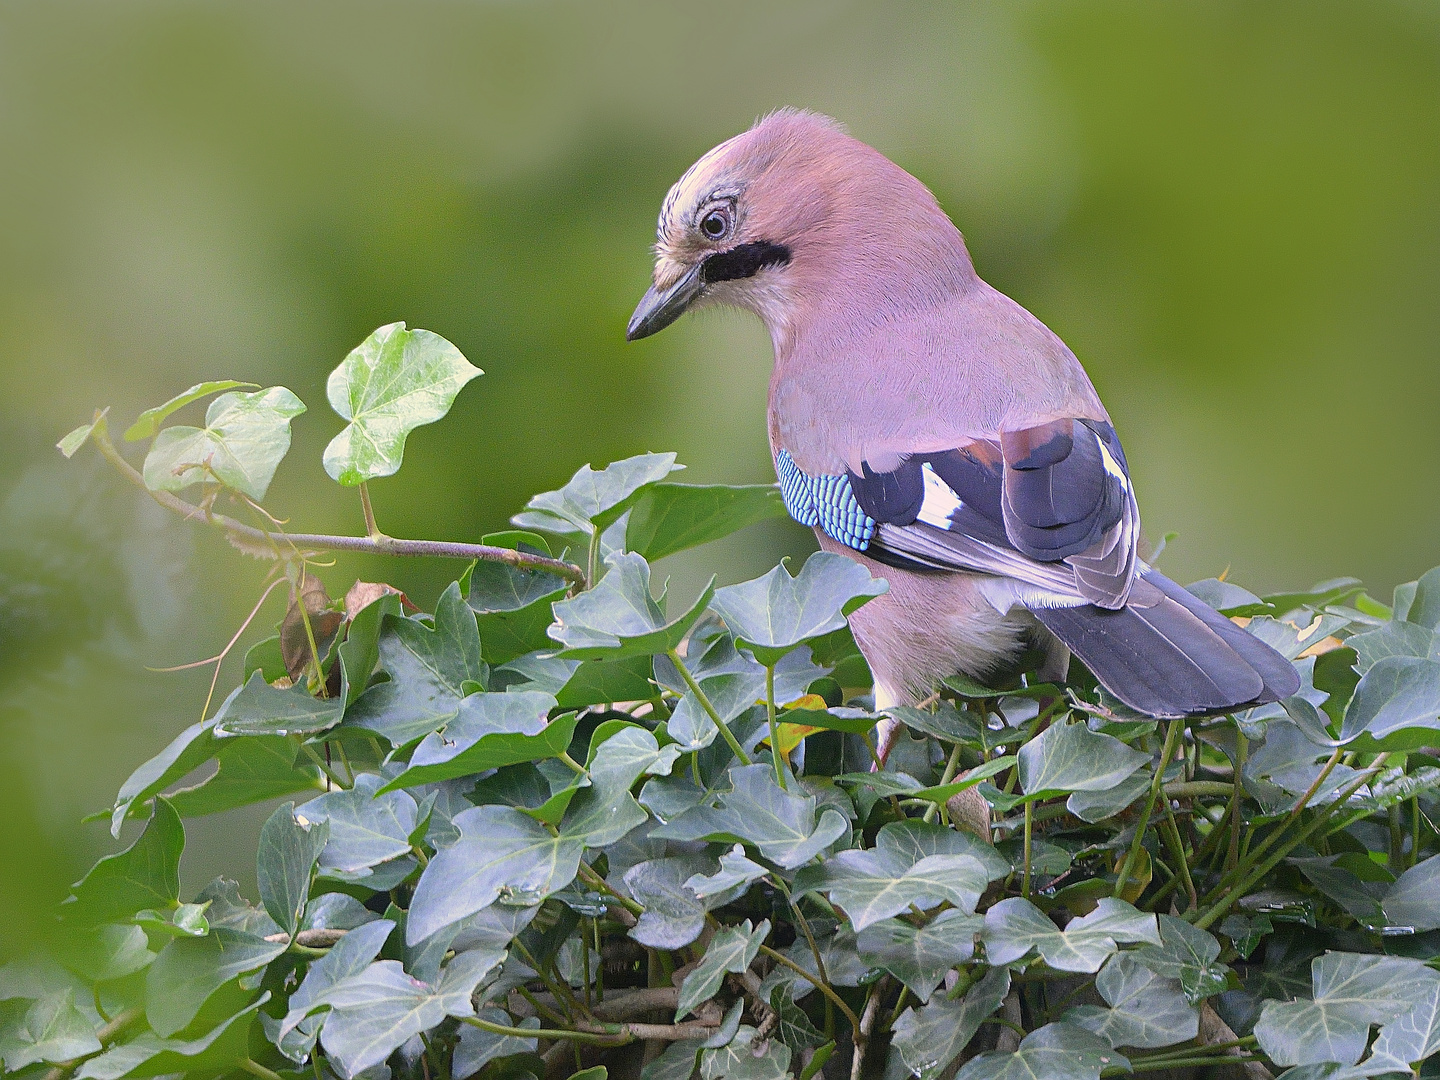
743, 261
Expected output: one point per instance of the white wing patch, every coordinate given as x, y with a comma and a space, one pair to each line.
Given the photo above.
939, 501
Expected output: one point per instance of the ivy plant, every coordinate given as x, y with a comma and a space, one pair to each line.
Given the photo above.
555, 823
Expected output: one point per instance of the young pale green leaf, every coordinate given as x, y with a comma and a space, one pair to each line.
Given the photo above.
595, 499
374, 1012
1071, 757
219, 1050
878, 883
366, 827
773, 614
478, 1047
734, 949
144, 875
428, 671
52, 1030
147, 424
500, 851
1188, 955
1351, 991
1414, 899
261, 709
391, 383
74, 439
188, 970
674, 517
1054, 1052
1397, 693
1015, 926
619, 618
756, 811
489, 731
1146, 1011
920, 956
746, 1057
242, 443
929, 1039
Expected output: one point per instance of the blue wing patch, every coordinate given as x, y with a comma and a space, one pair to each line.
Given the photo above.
827, 501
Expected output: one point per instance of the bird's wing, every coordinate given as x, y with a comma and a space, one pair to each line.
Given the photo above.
1049, 506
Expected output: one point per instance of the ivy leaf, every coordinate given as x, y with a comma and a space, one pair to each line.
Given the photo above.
188, 970
1071, 757
594, 499
144, 875
1093, 806
915, 839
391, 383
428, 671
512, 606
215, 1052
52, 1030
780, 824
1414, 899
674, 914
1146, 1011
678, 1062
875, 884
285, 862
843, 963
739, 1059
619, 618
946, 723
1414, 1036
261, 709
500, 850
920, 956
374, 1012
251, 769
1351, 992
243, 441
1398, 692
147, 424
350, 956
673, 517
478, 1047
77, 437
106, 953
489, 731
736, 870
1054, 1052
366, 827
1014, 927
733, 948
792, 1026
929, 1039
1188, 955
775, 613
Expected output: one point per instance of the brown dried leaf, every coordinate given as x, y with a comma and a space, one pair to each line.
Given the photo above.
324, 623
364, 593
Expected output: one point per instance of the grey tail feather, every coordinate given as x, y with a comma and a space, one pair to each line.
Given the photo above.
1176, 657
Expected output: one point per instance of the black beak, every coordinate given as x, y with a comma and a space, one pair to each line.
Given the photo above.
658, 310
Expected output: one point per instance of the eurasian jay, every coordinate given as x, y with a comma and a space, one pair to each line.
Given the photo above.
935, 431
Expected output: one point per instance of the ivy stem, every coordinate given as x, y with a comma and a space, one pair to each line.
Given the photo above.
334, 777
1025, 872
729, 736
819, 984
253, 1067
371, 529
570, 763
1172, 737
592, 558
951, 767
380, 545
1242, 752
1172, 837
775, 753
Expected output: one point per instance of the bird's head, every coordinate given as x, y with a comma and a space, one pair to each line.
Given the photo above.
786, 213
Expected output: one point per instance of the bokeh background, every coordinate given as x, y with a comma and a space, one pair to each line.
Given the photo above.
1230, 210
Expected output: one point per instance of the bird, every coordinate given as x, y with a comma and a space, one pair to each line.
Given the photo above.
932, 429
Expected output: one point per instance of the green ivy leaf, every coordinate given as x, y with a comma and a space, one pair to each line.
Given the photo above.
144, 875
737, 871
929, 1039
594, 499
478, 1047
875, 884
1146, 1010
285, 863
743, 1058
919, 956
792, 1026
350, 956
244, 439
218, 1050
1015, 926
1414, 1036
756, 811
188, 970
674, 914
733, 948
51, 1030
674, 517
1414, 899
261, 709
147, 424
1054, 1052
1188, 955
1397, 693
1351, 991
366, 827
391, 383
252, 769
775, 613
619, 618
1071, 757
489, 731
512, 606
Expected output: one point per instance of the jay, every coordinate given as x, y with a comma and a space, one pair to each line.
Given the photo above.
935, 431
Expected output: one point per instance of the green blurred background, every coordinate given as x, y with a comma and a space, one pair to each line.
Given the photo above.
1231, 211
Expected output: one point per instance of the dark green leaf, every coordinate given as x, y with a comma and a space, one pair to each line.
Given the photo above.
597, 498
286, 860
189, 970
187, 751
144, 875
1071, 757
1015, 926
251, 769
875, 884
147, 424
477, 1047
928, 1039
218, 1050
673, 517
773, 614
265, 657
674, 913
920, 956
243, 441
52, 1030
598, 682
490, 730
1146, 1010
391, 383
618, 617
1397, 692
261, 709
1414, 899
733, 948
792, 1026
360, 651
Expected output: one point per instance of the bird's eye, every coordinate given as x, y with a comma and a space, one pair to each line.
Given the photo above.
715, 224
